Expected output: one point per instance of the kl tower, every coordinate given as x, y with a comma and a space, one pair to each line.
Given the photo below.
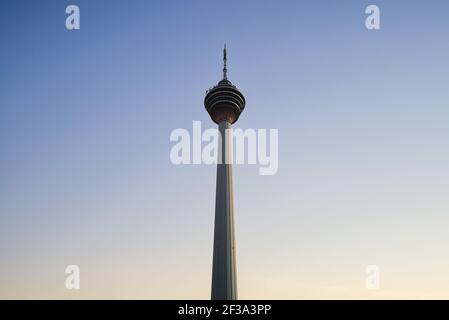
224, 103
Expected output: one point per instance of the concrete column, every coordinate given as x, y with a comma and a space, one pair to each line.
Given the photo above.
224, 277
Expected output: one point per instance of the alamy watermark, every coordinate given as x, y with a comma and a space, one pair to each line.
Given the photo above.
372, 21
372, 280
204, 147
73, 280
72, 22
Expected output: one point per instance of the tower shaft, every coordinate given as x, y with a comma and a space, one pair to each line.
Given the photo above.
224, 278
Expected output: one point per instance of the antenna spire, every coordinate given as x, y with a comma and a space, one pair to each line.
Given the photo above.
225, 69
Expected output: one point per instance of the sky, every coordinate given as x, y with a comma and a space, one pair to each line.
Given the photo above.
85, 171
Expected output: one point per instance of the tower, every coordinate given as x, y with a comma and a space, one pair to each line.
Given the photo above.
224, 103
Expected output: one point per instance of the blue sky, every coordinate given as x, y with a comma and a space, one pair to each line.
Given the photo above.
85, 121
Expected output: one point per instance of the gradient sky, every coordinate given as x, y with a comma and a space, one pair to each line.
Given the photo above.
85, 174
